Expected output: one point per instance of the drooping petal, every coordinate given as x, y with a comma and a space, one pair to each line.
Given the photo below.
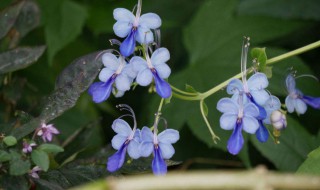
260, 96
118, 140
138, 63
133, 149
169, 136
262, 133
123, 83
290, 84
228, 121
258, 81
150, 20
235, 142
160, 56
144, 35
234, 86
105, 74
312, 101
146, 135
121, 127
116, 160
167, 150
100, 91
163, 70
144, 77
110, 61
251, 109
128, 45
122, 29
250, 124
121, 14
300, 106
146, 148
162, 87
227, 105
290, 104
159, 166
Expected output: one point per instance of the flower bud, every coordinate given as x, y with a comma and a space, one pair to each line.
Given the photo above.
278, 120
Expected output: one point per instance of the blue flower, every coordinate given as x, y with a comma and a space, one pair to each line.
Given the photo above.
238, 116
296, 100
160, 145
134, 28
116, 71
154, 68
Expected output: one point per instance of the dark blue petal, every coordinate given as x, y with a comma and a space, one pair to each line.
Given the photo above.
128, 45
312, 101
162, 87
100, 91
262, 133
116, 161
159, 166
262, 111
236, 141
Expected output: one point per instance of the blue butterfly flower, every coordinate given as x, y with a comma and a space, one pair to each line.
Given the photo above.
154, 68
134, 28
116, 71
237, 116
160, 145
296, 100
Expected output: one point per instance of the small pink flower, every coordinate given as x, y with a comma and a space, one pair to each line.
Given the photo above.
27, 146
34, 172
46, 132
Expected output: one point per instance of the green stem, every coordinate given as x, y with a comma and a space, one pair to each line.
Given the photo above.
214, 136
183, 92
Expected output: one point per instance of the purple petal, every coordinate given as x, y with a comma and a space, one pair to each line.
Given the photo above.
236, 141
260, 114
128, 45
162, 87
159, 166
100, 91
262, 133
312, 101
116, 160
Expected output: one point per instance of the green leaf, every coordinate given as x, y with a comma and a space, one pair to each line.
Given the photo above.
312, 164
10, 140
295, 144
8, 17
9, 182
4, 156
19, 58
47, 185
41, 159
18, 166
50, 148
63, 20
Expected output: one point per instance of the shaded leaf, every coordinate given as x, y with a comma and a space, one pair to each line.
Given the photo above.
46, 185
8, 17
312, 164
10, 140
4, 156
14, 182
18, 166
19, 58
41, 159
50, 148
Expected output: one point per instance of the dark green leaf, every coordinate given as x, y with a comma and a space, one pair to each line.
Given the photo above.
41, 159
312, 164
10, 140
4, 156
8, 182
50, 148
18, 166
260, 57
19, 58
47, 185
8, 17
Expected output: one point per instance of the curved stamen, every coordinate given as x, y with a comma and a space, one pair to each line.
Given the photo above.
157, 40
308, 75
244, 54
115, 42
129, 109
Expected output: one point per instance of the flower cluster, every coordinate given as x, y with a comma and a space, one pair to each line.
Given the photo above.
120, 72
141, 143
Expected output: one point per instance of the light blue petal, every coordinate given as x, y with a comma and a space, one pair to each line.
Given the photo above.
121, 14
100, 91
250, 109
146, 148
235, 86
312, 101
128, 45
129, 71
150, 20
167, 150
228, 121
138, 63
146, 135
169, 136
163, 70
260, 96
250, 124
258, 81
290, 84
110, 61
116, 160
144, 77
105, 74
235, 142
123, 83
121, 127
133, 149
118, 93
137, 135
160, 56
159, 166
144, 35
272, 104
122, 29
290, 104
118, 140
300, 106
227, 105
162, 87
